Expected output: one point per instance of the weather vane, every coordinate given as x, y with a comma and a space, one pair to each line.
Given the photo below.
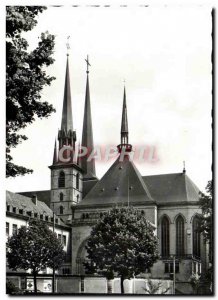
88, 64
68, 45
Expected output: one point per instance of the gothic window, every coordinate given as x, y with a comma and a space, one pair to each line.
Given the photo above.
61, 210
180, 236
61, 180
61, 196
196, 237
77, 181
77, 198
165, 237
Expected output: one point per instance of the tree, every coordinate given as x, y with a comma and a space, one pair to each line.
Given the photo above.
25, 78
34, 247
206, 204
122, 243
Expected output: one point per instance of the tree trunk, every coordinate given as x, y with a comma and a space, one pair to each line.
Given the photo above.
122, 284
35, 282
109, 286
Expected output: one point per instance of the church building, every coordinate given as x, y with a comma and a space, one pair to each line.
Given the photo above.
78, 198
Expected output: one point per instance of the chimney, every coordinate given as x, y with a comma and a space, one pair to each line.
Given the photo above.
34, 199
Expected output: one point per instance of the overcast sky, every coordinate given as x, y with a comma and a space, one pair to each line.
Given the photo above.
164, 55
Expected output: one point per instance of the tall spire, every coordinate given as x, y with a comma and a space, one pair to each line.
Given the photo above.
87, 135
55, 158
67, 120
124, 123
124, 132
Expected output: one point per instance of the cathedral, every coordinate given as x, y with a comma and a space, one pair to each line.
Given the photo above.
78, 198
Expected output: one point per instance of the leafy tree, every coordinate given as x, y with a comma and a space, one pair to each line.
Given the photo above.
122, 243
11, 288
206, 204
25, 78
34, 247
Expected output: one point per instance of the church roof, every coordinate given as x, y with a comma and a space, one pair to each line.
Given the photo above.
170, 188
120, 183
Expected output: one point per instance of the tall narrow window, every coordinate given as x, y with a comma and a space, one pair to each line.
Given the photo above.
77, 181
61, 196
14, 229
165, 237
196, 237
180, 236
7, 229
61, 210
61, 180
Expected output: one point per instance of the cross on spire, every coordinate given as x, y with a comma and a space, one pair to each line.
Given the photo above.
68, 45
184, 170
88, 64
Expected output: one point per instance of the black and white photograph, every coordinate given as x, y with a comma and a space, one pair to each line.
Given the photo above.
109, 139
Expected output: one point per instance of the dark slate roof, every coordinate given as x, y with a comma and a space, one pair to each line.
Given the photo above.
113, 186
25, 203
44, 196
88, 185
177, 187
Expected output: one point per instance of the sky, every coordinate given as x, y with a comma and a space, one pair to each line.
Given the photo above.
164, 55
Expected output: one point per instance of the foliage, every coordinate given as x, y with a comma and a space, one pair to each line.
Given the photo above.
25, 78
195, 280
121, 243
34, 247
206, 204
155, 288
11, 289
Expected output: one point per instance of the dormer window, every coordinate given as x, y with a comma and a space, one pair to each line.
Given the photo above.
61, 180
21, 211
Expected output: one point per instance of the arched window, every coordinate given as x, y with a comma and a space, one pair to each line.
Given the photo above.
165, 237
180, 236
61, 180
61, 210
196, 237
61, 196
77, 198
77, 181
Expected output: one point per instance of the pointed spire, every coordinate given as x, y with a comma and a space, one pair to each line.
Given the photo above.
67, 120
87, 135
124, 132
124, 122
55, 158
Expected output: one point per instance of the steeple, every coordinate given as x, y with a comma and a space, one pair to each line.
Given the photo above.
87, 135
55, 158
67, 120
124, 132
124, 123
66, 135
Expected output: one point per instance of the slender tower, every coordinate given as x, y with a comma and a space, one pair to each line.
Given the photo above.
66, 175
88, 167
124, 132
